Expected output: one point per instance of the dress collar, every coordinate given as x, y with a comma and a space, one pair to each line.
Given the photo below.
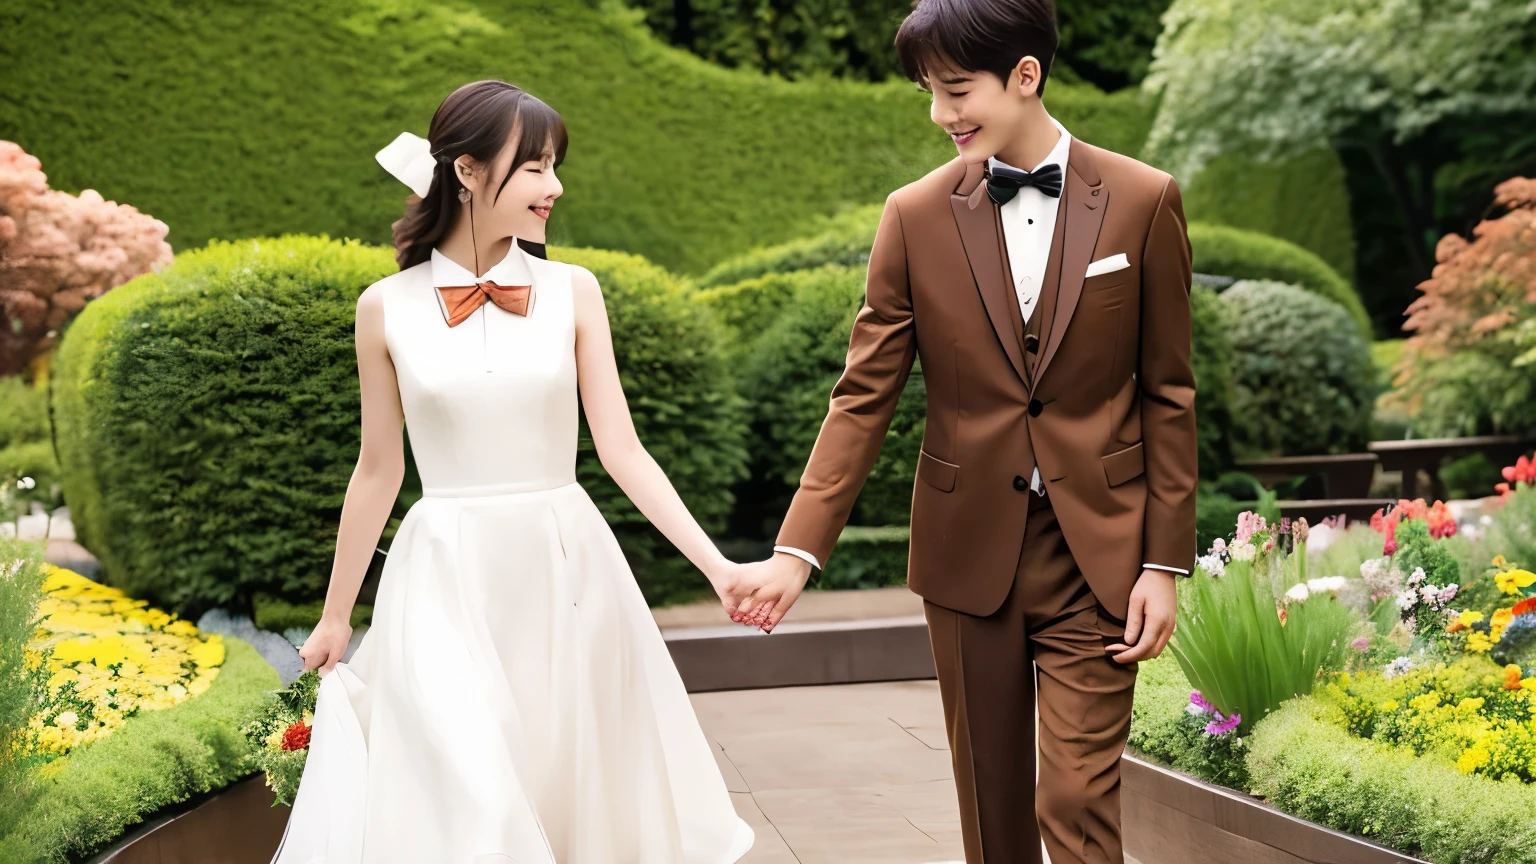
511, 270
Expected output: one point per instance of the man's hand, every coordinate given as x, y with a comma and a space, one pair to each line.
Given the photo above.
1150, 623
770, 587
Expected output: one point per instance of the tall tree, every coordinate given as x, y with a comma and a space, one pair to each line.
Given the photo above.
1435, 97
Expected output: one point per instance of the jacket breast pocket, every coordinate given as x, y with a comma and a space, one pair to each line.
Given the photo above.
1123, 466
936, 472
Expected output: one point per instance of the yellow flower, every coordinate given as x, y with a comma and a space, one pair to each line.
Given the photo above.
209, 653
1499, 562
1511, 581
1478, 641
1469, 617
1389, 705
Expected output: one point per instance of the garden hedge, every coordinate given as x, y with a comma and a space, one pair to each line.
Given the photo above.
1304, 382
868, 557
672, 364
1225, 251
231, 120
207, 417
1211, 357
156, 759
788, 378
207, 420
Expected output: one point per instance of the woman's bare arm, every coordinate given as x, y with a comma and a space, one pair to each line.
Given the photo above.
374, 486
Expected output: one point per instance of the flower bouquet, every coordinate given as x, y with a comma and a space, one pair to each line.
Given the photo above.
279, 735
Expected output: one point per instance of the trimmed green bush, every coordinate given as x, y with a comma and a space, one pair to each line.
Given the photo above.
246, 120
1164, 731
788, 378
1303, 374
672, 363
23, 412
278, 615
1224, 251
156, 759
207, 420
845, 239
1212, 361
868, 557
1316, 770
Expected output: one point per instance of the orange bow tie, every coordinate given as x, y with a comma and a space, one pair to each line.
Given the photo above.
463, 300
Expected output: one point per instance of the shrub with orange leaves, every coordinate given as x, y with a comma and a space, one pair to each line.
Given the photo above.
1474, 327
58, 251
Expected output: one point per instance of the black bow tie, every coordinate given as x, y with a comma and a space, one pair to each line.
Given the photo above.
1004, 182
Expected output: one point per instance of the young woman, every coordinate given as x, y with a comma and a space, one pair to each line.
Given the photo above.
513, 700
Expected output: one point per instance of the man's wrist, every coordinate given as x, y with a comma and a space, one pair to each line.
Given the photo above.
800, 554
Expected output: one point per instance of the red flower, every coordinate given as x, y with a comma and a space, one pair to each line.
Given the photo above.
296, 737
1524, 606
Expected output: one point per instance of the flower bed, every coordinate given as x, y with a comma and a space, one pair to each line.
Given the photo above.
1382, 683
139, 711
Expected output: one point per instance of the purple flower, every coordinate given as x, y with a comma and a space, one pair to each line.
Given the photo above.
1200, 702
1221, 726
1360, 644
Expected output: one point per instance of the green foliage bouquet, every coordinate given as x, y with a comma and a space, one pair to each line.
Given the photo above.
1253, 630
279, 735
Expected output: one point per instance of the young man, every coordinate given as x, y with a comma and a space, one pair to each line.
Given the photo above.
1044, 283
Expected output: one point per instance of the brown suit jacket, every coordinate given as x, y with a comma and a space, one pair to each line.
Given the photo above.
1114, 436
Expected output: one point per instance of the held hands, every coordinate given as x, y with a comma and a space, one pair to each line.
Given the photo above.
761, 593
326, 645
1150, 623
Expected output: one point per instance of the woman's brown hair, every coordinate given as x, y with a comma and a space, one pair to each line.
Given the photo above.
474, 120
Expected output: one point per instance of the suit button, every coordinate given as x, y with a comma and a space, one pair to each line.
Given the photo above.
1035, 407
1020, 483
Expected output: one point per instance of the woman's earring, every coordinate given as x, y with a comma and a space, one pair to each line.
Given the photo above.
464, 195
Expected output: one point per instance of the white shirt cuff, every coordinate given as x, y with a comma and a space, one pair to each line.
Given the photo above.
1161, 567
799, 553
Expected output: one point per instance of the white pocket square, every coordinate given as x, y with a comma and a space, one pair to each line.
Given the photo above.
1107, 265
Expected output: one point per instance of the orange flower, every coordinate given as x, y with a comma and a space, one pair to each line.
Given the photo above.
1511, 677
296, 737
1524, 606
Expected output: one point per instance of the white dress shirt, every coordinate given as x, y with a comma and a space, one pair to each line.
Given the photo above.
1029, 223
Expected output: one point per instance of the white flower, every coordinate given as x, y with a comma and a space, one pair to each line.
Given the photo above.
1194, 709
1397, 667
1320, 537
1417, 576
67, 720
1429, 592
1298, 593
1242, 551
1212, 565
1407, 599
1485, 519
26, 483
1326, 583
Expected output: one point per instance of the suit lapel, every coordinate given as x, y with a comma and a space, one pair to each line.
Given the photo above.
1085, 200
981, 233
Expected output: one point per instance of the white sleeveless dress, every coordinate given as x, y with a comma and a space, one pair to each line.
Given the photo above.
513, 700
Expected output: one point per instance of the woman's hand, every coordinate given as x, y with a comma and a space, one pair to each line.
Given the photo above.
326, 645
733, 585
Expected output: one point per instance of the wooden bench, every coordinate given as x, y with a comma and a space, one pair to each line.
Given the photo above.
1344, 475
1413, 455
1315, 511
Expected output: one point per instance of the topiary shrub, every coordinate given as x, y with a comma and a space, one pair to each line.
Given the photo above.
868, 557
788, 379
1212, 360
1302, 373
1225, 251
672, 362
207, 420
843, 239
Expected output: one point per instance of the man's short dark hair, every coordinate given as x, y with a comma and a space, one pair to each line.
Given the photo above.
977, 36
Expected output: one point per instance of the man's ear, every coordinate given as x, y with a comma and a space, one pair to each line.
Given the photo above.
1026, 76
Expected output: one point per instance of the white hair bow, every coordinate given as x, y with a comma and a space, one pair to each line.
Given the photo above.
409, 158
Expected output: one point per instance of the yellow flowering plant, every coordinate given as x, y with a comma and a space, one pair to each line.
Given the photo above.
107, 657
1470, 713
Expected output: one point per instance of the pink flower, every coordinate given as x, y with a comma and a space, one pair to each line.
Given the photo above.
1360, 644
1223, 725
1201, 702
1248, 524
